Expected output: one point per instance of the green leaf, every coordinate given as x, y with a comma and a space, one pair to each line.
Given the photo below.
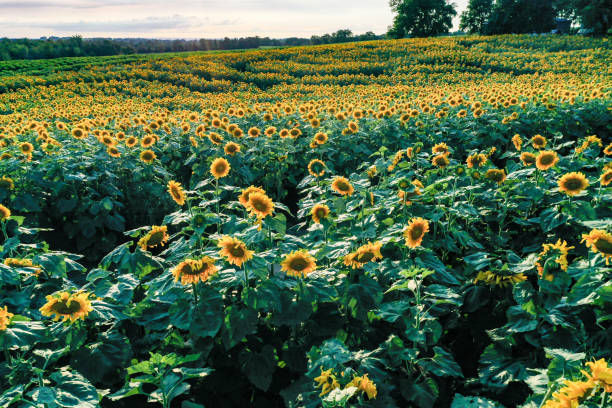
473, 402
259, 367
441, 364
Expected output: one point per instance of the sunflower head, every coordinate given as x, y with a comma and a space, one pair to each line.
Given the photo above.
176, 192
26, 148
606, 178
234, 250
219, 168
321, 138
414, 233
158, 235
78, 133
497, 279
147, 156
528, 158
67, 306
546, 159
231, 148
538, 142
5, 213
496, 175
440, 148
342, 186
476, 160
600, 242
365, 385
364, 254
298, 264
440, 160
215, 138
572, 183
319, 212
5, 318
260, 205
194, 270
316, 168
555, 255
7, 183
244, 196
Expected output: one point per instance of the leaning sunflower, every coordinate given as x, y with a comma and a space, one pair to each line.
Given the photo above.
517, 142
67, 306
234, 250
5, 318
158, 235
599, 241
194, 270
219, 168
496, 175
299, 264
572, 183
528, 158
5, 213
260, 205
414, 233
176, 192
364, 254
342, 186
318, 212
440, 160
245, 194
558, 252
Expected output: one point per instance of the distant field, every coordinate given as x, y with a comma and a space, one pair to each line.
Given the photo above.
411, 223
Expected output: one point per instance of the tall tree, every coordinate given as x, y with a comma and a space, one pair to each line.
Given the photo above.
592, 14
474, 18
421, 18
521, 16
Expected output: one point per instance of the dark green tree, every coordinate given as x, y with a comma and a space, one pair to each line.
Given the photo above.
521, 16
591, 14
421, 18
474, 18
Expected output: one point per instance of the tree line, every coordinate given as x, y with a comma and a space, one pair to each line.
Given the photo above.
424, 18
76, 46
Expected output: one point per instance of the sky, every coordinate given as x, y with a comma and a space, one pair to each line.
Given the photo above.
193, 18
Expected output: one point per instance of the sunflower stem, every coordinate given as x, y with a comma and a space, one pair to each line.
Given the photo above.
604, 397
195, 294
217, 204
246, 277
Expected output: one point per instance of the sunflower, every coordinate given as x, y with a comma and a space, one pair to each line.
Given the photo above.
260, 205
496, 175
528, 158
558, 252
364, 254
194, 270
234, 250
244, 195
599, 241
313, 165
572, 183
414, 233
7, 183
440, 148
538, 142
113, 151
517, 142
67, 306
440, 160
321, 138
327, 381
5, 318
254, 132
176, 192
476, 160
342, 186
318, 212
147, 156
231, 148
219, 168
78, 133
108, 141
608, 150
23, 263
5, 213
606, 178
158, 235
298, 264
26, 148
546, 159
215, 138
131, 141
495, 279
366, 385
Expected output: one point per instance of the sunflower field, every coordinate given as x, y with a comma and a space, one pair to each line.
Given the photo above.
410, 223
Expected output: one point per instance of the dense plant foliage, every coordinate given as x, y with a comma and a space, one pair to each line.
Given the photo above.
392, 223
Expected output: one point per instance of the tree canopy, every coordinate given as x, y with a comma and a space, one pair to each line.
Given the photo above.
421, 18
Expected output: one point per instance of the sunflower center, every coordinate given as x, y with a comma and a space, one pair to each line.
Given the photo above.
604, 246
259, 205
342, 186
236, 251
573, 184
155, 238
547, 159
320, 213
298, 264
365, 257
416, 232
65, 307
220, 168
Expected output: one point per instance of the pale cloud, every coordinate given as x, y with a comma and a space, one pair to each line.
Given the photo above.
193, 18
